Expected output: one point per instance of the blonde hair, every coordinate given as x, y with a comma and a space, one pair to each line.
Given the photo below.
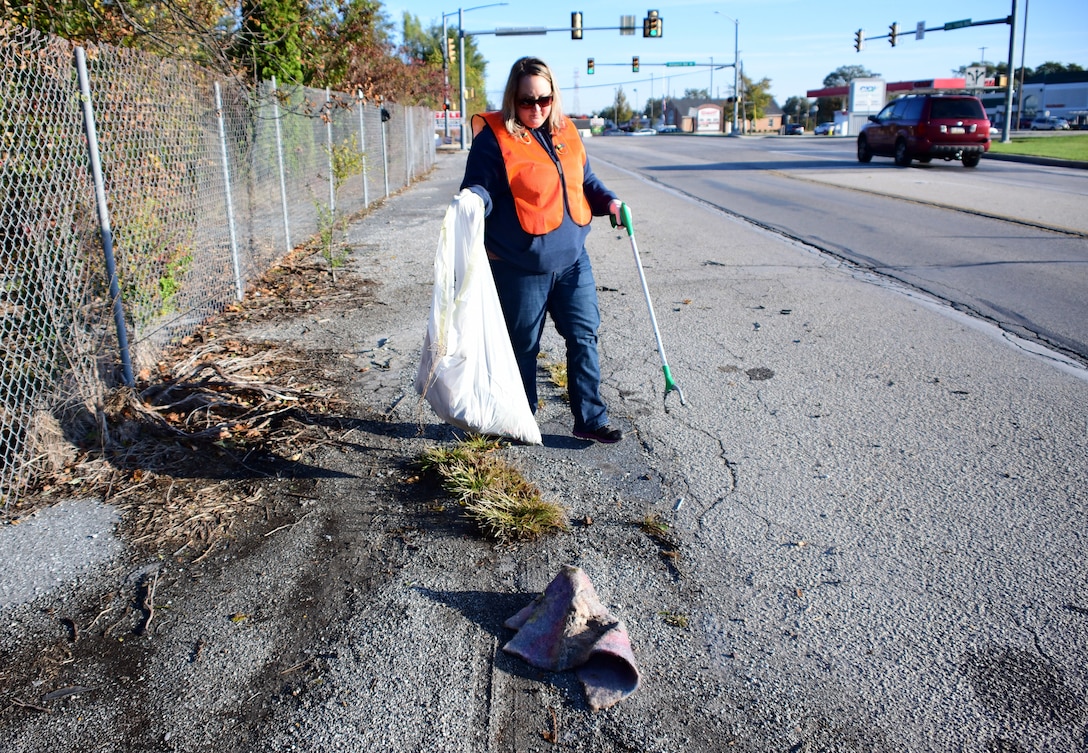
523, 67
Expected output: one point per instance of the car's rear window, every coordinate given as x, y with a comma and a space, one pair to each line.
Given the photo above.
962, 109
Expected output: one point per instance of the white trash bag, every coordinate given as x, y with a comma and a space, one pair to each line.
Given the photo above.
468, 372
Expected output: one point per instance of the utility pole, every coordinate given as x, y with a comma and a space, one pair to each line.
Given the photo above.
1006, 137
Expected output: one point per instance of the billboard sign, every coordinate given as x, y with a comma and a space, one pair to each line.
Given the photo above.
867, 95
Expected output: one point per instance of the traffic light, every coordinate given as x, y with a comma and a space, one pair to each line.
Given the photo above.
859, 40
652, 24
451, 49
576, 25
634, 63
893, 33
589, 66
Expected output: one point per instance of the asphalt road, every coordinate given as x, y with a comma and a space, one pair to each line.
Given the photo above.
877, 504
1007, 242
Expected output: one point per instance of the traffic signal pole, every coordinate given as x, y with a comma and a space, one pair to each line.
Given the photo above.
893, 35
652, 27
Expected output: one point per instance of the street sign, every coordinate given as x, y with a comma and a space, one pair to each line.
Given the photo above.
676, 64
957, 24
975, 76
520, 31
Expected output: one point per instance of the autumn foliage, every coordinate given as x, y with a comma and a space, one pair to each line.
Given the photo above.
345, 46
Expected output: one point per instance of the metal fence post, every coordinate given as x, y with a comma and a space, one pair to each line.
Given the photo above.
104, 217
362, 144
279, 157
230, 201
409, 151
385, 153
328, 146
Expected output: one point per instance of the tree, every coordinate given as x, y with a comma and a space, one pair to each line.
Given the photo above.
696, 94
654, 108
269, 39
199, 30
1049, 68
427, 46
797, 108
620, 111
843, 75
351, 50
756, 96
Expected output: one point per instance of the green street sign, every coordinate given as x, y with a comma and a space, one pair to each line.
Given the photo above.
957, 24
676, 64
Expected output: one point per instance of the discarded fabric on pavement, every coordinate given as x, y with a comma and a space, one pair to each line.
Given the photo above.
567, 627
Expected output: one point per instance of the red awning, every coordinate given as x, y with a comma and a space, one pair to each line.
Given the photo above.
925, 85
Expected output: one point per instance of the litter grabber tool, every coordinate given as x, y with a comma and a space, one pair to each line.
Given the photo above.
625, 219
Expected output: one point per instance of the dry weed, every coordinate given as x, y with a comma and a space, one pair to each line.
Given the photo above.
492, 493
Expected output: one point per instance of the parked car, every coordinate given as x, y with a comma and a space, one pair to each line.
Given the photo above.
1051, 123
824, 129
794, 129
668, 129
644, 132
921, 127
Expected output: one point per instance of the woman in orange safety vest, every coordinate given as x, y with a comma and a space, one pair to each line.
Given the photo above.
529, 166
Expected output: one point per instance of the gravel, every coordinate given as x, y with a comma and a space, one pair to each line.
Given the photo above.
858, 567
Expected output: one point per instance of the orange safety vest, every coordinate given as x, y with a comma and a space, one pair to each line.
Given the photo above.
536, 182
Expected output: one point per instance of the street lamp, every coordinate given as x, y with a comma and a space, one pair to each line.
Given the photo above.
736, 62
461, 58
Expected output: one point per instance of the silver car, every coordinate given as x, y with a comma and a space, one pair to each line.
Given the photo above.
1049, 123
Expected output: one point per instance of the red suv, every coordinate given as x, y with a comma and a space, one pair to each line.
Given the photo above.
921, 127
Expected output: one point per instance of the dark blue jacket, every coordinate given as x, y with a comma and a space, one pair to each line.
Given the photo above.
485, 175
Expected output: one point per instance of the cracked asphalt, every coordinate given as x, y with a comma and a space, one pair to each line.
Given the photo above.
877, 511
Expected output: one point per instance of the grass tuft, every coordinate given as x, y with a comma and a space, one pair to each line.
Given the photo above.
557, 375
494, 495
654, 526
676, 619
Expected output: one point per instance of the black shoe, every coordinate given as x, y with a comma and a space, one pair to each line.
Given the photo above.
603, 434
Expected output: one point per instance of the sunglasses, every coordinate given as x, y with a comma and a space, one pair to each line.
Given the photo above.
529, 102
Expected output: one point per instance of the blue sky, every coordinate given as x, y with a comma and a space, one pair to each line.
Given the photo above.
794, 43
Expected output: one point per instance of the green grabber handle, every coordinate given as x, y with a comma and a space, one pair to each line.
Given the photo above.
625, 220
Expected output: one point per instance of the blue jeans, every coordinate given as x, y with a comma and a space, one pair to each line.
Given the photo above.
569, 296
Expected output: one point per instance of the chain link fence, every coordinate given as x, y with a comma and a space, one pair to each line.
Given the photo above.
142, 195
